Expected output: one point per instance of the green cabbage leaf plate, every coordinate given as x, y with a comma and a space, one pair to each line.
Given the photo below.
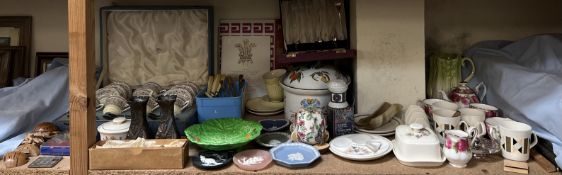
223, 134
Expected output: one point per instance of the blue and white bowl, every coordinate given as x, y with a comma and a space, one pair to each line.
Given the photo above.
272, 125
294, 155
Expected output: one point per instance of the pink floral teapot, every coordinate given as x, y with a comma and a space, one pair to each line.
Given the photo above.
463, 95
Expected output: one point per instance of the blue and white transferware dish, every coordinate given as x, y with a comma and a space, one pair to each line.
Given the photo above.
294, 155
272, 125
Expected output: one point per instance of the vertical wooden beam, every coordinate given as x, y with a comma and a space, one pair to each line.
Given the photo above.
82, 83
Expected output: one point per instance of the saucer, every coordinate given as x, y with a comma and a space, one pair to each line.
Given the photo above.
263, 104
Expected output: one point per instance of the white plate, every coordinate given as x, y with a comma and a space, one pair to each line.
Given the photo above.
405, 161
384, 129
339, 144
266, 113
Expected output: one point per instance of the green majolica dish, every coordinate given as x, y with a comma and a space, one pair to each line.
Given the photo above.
223, 134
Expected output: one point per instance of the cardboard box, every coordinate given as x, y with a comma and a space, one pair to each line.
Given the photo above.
139, 158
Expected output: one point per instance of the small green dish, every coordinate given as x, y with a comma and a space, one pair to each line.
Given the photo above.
223, 134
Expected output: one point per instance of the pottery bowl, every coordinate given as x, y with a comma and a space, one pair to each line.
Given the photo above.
271, 125
273, 139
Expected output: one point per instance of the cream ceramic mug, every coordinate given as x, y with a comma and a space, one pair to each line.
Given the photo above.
473, 118
516, 140
443, 120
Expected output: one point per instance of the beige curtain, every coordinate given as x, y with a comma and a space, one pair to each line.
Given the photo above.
157, 46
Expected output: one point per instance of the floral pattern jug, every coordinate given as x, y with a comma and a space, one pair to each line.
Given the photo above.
309, 124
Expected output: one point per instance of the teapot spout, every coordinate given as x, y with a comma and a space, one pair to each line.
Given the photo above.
444, 95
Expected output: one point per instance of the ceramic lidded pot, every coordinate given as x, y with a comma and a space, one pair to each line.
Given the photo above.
456, 148
464, 96
304, 83
116, 129
309, 125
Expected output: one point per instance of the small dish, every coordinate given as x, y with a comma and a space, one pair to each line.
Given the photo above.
252, 160
294, 155
209, 160
272, 139
272, 125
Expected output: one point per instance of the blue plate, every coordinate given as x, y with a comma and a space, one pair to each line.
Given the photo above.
271, 125
294, 155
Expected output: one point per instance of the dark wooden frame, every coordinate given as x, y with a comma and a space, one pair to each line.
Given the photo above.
42, 58
24, 24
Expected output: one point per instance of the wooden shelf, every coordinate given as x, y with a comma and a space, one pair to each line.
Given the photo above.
309, 56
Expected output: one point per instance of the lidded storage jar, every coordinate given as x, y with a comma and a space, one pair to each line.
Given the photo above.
310, 83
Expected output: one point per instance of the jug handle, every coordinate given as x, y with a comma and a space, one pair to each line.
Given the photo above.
535, 140
477, 89
471, 71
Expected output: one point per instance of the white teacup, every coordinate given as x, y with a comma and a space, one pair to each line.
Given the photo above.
473, 118
445, 105
489, 110
516, 140
444, 120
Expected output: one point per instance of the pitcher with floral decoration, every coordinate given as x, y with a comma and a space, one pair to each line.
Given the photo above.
309, 124
456, 148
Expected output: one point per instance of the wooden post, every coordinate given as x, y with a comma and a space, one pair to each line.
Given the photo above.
82, 83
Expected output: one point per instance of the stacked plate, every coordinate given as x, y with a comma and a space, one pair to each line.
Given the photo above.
387, 129
262, 106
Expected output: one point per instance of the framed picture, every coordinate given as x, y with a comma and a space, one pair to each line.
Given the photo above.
249, 47
161, 44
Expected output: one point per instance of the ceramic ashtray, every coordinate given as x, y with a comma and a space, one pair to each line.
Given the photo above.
252, 160
272, 139
294, 155
272, 125
209, 160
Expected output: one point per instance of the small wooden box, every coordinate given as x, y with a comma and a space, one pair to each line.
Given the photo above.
139, 158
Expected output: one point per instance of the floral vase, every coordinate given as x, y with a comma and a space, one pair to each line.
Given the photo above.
167, 128
309, 123
139, 125
456, 148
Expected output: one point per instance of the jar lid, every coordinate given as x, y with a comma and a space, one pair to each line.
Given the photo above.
117, 125
315, 78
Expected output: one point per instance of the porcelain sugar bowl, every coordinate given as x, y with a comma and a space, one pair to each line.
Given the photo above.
309, 82
456, 148
116, 129
309, 125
